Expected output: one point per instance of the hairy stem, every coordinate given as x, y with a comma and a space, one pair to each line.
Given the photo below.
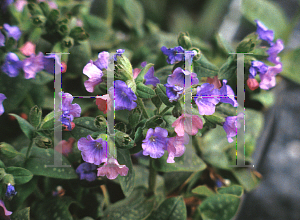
142, 107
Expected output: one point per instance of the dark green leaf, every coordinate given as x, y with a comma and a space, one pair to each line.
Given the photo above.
204, 68
8, 179
228, 69
246, 178
161, 92
84, 126
48, 121
45, 8
40, 161
135, 207
35, 116
219, 207
126, 182
203, 191
23, 214
156, 101
21, 175
9, 151
215, 118
155, 121
140, 77
291, 64
144, 91
233, 190
224, 45
27, 128
171, 209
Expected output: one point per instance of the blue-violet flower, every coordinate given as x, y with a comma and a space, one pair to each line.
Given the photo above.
2, 97
85, 171
12, 31
10, 191
69, 110
32, 65
12, 65
231, 125
264, 33
227, 94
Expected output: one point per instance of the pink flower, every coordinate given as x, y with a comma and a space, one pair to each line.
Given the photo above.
268, 79
214, 81
136, 72
112, 169
65, 147
191, 129
252, 83
28, 48
4, 213
175, 147
104, 103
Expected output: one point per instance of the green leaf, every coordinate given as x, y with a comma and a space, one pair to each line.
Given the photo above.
219, 207
233, 190
161, 92
172, 208
79, 57
204, 68
144, 91
48, 121
9, 151
8, 179
155, 121
246, 178
27, 128
84, 126
268, 13
203, 191
228, 69
126, 182
23, 214
21, 175
42, 78
35, 116
224, 45
156, 101
55, 208
135, 207
134, 119
291, 64
215, 118
163, 73
140, 77
40, 158
188, 162
2, 165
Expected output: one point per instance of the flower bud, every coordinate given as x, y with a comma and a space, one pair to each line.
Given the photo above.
184, 40
252, 83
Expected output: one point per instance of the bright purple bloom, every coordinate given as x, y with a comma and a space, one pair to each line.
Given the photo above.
181, 127
173, 92
155, 142
69, 110
102, 61
264, 33
257, 66
119, 52
49, 62
32, 65
2, 39
268, 79
85, 171
227, 91
94, 74
111, 169
2, 97
274, 50
150, 78
124, 96
177, 78
231, 125
10, 191
175, 54
12, 65
12, 31
175, 147
206, 99
4, 213
93, 151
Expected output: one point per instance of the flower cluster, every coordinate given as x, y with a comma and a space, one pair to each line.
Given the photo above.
267, 73
69, 110
175, 54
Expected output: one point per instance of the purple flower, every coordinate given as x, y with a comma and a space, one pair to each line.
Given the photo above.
12, 65
85, 171
175, 54
49, 62
231, 125
93, 151
257, 66
69, 110
4, 213
177, 78
10, 191
274, 50
2, 40
206, 99
2, 97
124, 96
12, 31
150, 78
268, 79
112, 169
119, 52
175, 147
227, 91
33, 65
264, 33
94, 74
173, 92
102, 61
155, 142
